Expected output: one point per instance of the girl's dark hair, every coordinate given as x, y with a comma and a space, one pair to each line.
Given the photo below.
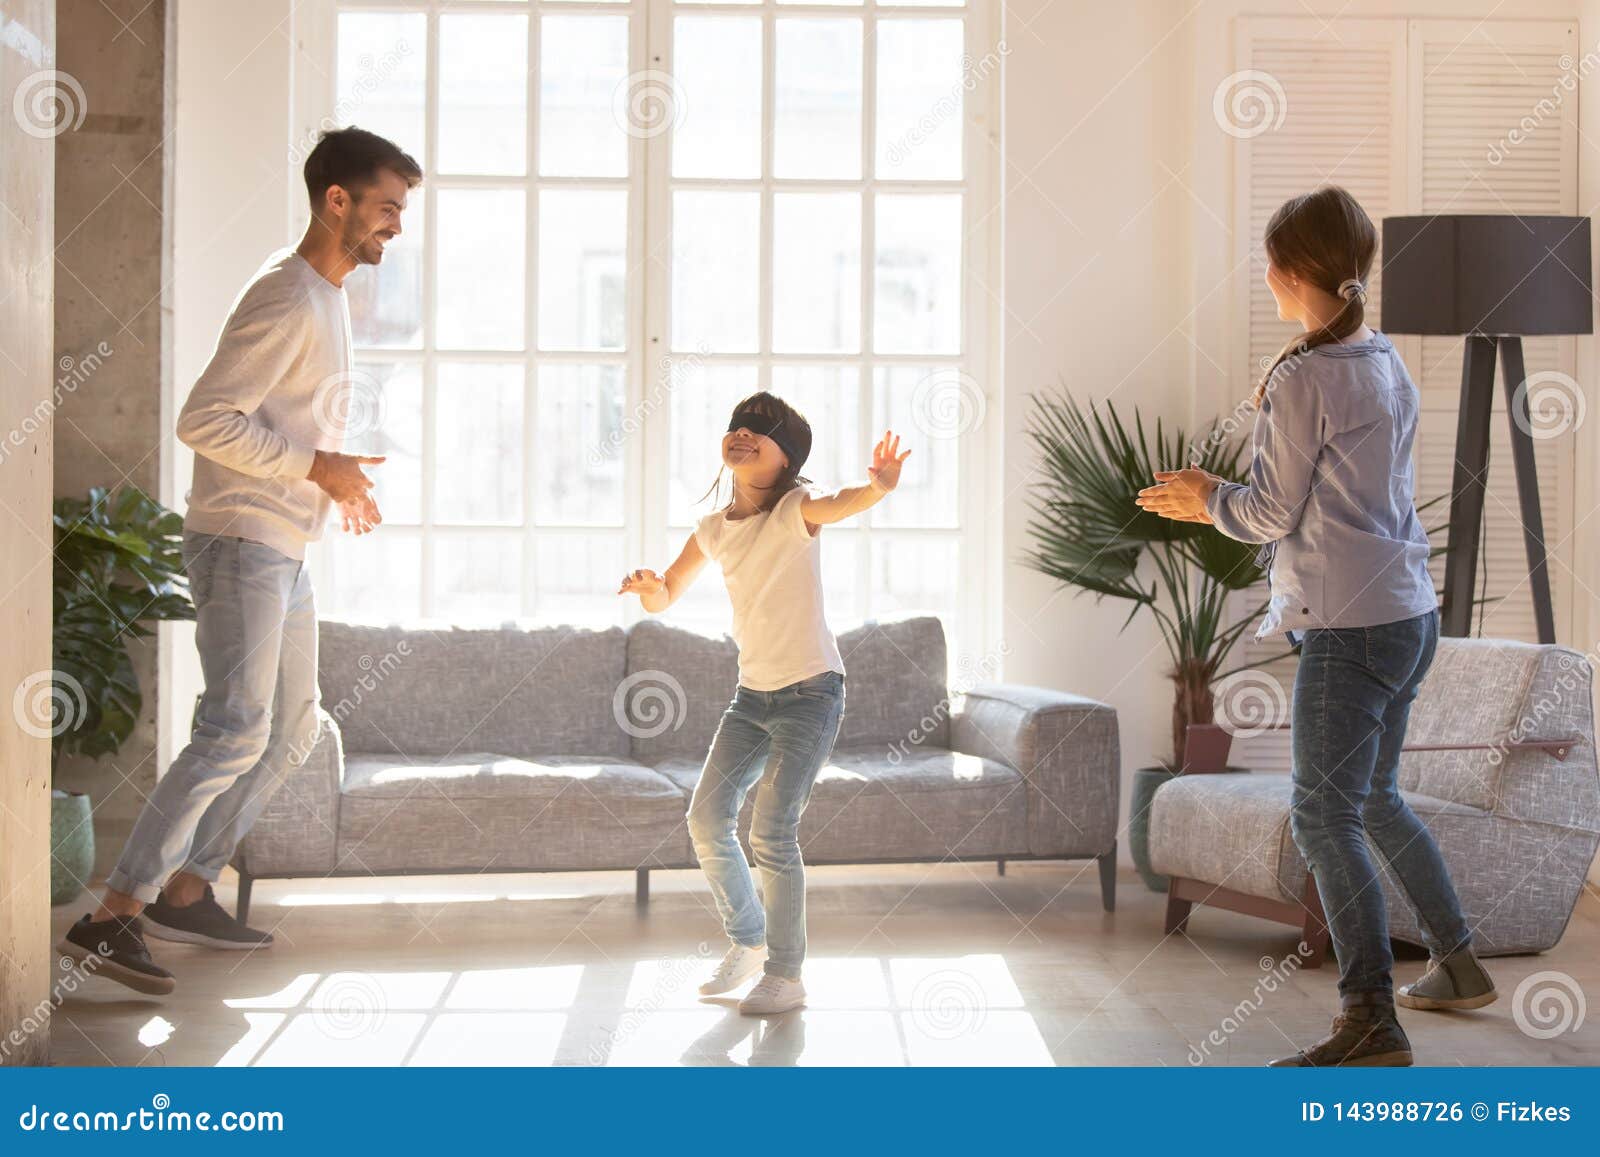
774, 407
1325, 238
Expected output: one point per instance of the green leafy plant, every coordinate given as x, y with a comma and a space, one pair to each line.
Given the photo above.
118, 568
1088, 533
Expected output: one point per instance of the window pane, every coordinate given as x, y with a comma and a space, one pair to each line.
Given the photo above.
578, 576
477, 578
816, 272
717, 62
715, 247
579, 448
386, 419
701, 407
477, 455
920, 86
481, 268
377, 576
914, 576
917, 305
583, 239
583, 61
818, 121
386, 299
930, 407
829, 397
842, 3
382, 78
483, 93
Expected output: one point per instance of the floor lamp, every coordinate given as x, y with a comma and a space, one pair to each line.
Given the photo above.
1493, 279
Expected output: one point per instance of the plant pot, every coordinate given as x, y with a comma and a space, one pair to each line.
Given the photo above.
71, 844
1146, 782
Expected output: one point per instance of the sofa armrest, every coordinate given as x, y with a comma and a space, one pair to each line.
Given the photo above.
1066, 748
297, 832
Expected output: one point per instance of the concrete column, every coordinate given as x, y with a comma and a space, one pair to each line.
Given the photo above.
27, 181
113, 265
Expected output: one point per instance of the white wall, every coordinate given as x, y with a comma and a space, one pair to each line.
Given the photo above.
231, 208
1117, 204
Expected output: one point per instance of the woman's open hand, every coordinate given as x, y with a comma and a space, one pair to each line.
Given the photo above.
1179, 495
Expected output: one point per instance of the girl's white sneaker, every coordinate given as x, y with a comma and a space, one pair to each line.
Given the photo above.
738, 966
773, 995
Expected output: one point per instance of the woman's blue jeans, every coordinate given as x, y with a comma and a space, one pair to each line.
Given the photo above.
781, 738
1352, 697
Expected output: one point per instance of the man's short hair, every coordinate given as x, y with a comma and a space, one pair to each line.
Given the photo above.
353, 157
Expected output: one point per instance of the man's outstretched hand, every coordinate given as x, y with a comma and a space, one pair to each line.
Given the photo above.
340, 475
360, 516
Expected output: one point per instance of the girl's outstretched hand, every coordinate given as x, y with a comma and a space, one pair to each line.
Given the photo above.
641, 583
1179, 495
886, 460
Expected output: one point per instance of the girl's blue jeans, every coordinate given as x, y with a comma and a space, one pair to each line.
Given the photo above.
781, 739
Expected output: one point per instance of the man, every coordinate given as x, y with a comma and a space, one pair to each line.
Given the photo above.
265, 421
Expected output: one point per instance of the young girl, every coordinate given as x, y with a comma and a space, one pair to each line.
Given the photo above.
1331, 490
785, 712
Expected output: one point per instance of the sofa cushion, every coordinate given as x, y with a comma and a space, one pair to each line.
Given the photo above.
1473, 693
894, 677
1233, 830
679, 684
927, 804
492, 813
414, 693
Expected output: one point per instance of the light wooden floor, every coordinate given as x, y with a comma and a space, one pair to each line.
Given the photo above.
921, 965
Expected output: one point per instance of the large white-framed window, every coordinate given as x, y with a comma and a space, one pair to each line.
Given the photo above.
633, 214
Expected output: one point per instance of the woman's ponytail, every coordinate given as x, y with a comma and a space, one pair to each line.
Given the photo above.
1325, 238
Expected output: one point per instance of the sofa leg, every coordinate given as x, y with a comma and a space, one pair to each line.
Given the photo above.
641, 887
1000, 867
1108, 878
1178, 908
241, 912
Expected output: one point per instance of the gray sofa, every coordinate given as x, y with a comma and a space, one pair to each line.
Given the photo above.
561, 749
1499, 764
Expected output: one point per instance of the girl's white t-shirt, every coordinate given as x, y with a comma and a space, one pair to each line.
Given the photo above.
773, 567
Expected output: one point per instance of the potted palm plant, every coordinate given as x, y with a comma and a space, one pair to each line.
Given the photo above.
118, 568
1088, 533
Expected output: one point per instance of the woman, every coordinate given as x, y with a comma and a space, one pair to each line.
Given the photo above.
1330, 491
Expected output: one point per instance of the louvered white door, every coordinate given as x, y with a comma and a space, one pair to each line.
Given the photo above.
1471, 88
1343, 93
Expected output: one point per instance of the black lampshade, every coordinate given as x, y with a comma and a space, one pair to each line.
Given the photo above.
1488, 274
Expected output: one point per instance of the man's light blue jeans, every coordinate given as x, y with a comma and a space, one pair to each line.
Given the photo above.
256, 630
781, 738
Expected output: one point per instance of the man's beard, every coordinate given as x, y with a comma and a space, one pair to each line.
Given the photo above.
366, 249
